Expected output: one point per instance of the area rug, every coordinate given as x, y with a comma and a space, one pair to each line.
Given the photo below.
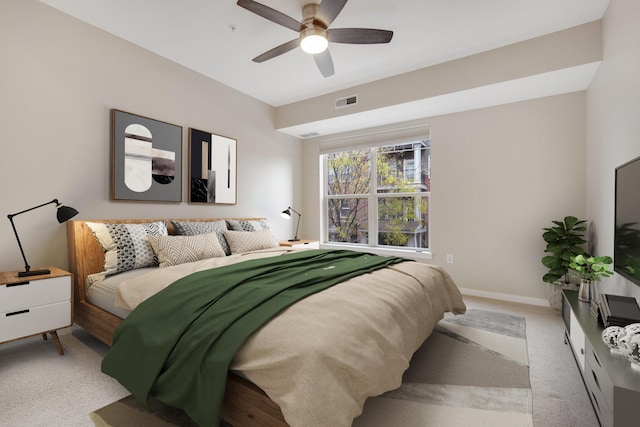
472, 371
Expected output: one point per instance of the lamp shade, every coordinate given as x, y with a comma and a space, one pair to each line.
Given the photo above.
65, 213
286, 213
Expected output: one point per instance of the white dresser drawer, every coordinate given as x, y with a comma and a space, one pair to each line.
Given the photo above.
577, 338
22, 323
32, 293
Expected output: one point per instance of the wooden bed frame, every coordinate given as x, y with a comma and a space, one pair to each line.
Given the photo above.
245, 404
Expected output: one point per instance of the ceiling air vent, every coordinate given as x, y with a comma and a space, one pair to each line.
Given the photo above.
347, 101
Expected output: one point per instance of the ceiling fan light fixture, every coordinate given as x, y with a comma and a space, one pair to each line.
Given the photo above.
313, 40
313, 31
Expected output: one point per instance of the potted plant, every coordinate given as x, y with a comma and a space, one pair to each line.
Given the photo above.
592, 269
564, 240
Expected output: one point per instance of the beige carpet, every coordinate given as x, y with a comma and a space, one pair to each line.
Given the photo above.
473, 370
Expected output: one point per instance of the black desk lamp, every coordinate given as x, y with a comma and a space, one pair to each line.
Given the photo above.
65, 213
287, 214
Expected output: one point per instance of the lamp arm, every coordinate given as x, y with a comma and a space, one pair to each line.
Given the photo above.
297, 226
295, 211
27, 267
35, 207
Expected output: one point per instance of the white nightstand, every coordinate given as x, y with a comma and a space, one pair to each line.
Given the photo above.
35, 305
301, 244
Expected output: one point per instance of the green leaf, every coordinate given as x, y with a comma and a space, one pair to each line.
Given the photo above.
550, 277
551, 262
570, 221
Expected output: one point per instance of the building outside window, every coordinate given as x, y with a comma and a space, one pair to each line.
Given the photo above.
379, 196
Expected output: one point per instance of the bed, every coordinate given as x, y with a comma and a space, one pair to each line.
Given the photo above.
257, 393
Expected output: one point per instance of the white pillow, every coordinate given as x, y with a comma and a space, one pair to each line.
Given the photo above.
246, 241
174, 250
126, 246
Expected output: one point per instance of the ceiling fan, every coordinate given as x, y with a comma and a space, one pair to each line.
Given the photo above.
315, 33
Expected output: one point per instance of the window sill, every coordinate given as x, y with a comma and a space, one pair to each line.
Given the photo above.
406, 253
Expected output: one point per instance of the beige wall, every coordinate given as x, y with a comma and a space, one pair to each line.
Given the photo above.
613, 126
499, 175
59, 78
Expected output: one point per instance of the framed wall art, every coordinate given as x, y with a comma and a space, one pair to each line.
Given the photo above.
146, 159
212, 168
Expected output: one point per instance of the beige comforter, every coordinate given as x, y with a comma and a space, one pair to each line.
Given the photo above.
320, 359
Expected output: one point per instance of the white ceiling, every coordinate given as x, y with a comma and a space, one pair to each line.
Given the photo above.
217, 38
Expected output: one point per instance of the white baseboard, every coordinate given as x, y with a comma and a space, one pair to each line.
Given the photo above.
505, 297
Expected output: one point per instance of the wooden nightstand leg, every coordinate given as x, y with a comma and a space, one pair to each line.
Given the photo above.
44, 336
56, 340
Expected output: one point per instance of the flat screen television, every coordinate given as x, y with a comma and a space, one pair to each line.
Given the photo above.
626, 246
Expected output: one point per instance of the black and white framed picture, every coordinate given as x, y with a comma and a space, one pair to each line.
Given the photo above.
146, 159
212, 168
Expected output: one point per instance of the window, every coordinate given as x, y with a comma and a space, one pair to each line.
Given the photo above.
379, 196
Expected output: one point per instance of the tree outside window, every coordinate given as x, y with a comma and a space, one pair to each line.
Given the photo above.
388, 210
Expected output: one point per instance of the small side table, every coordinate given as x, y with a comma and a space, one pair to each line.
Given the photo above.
35, 305
301, 244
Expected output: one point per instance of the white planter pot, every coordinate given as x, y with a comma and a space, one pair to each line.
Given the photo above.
554, 294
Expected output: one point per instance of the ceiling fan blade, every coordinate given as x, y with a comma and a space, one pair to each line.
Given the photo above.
324, 63
270, 14
278, 50
359, 35
328, 10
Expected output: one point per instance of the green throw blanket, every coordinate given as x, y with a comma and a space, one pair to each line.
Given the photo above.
177, 345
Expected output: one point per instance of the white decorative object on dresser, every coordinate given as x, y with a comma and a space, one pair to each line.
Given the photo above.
301, 244
35, 305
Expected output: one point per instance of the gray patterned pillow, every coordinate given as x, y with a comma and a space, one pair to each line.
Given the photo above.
248, 224
191, 228
126, 246
246, 241
174, 250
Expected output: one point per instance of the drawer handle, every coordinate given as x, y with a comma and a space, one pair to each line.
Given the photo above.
17, 312
596, 379
9, 285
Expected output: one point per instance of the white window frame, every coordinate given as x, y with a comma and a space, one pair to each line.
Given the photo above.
372, 211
